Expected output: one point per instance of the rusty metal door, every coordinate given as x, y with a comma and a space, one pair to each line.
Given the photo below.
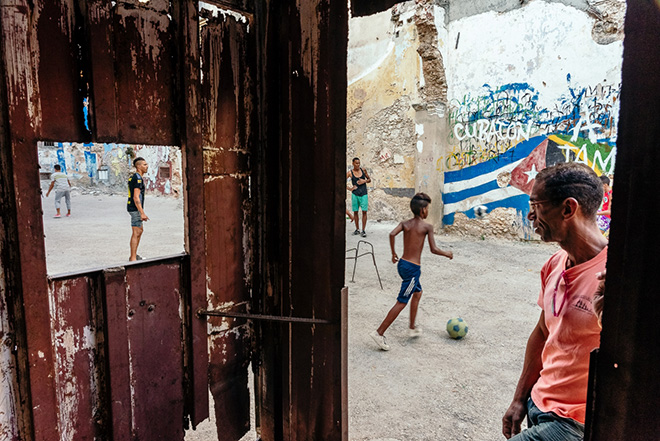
255, 98
119, 342
274, 83
301, 384
102, 354
228, 114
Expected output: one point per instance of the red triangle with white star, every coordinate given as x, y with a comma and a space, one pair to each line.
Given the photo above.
522, 177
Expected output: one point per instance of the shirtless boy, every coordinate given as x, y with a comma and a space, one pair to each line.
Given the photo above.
415, 230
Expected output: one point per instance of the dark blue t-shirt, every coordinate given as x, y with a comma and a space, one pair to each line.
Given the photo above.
134, 182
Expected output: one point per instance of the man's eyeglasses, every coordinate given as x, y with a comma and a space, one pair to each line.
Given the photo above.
534, 204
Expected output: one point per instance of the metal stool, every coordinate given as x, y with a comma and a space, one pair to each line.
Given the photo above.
355, 258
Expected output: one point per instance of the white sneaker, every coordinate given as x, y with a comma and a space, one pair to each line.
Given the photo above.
414, 332
380, 340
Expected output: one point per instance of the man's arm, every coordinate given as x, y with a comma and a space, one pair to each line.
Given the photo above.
138, 204
532, 366
599, 297
434, 248
607, 212
52, 184
393, 233
350, 186
366, 175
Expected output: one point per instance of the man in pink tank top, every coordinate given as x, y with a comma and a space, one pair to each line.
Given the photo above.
552, 389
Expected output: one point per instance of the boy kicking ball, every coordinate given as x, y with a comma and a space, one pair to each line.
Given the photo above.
415, 230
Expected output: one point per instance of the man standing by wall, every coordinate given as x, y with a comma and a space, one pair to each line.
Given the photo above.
135, 204
552, 388
360, 199
60, 181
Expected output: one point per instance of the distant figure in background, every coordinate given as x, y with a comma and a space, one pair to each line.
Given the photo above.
60, 182
360, 199
605, 213
135, 204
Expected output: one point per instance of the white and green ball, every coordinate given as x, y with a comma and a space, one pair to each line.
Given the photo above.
457, 328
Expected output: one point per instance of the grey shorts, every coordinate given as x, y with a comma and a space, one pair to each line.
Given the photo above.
136, 219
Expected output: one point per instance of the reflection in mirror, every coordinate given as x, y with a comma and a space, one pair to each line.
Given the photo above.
86, 211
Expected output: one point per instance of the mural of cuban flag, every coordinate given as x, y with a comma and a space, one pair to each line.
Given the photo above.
581, 127
504, 181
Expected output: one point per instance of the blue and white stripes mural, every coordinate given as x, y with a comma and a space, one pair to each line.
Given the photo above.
500, 139
486, 183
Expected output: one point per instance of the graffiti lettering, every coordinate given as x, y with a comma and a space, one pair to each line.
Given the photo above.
583, 125
486, 130
596, 162
484, 126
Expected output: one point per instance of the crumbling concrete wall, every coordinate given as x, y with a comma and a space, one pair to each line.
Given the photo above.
608, 15
392, 119
544, 91
383, 81
104, 168
458, 99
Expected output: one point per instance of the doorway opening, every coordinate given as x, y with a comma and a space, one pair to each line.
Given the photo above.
93, 227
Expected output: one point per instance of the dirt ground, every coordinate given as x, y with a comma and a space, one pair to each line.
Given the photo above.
428, 388
433, 387
99, 230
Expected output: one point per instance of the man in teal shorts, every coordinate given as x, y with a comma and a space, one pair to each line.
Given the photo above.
360, 199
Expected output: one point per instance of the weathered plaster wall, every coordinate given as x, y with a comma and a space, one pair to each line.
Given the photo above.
607, 14
105, 167
383, 76
540, 93
462, 99
390, 104
461, 9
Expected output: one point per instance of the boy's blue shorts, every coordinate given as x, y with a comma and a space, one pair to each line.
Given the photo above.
410, 273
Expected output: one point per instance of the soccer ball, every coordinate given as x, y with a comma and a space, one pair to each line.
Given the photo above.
457, 328
480, 211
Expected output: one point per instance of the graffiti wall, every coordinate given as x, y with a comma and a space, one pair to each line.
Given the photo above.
542, 93
502, 138
466, 101
106, 167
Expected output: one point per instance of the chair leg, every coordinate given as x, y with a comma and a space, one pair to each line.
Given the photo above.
355, 261
373, 256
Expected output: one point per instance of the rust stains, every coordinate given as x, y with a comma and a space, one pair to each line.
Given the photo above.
8, 385
21, 58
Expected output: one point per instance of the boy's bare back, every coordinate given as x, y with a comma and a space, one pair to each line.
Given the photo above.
415, 230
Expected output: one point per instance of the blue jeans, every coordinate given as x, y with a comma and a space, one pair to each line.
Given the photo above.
547, 426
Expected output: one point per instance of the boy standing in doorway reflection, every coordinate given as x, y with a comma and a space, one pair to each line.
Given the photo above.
135, 204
